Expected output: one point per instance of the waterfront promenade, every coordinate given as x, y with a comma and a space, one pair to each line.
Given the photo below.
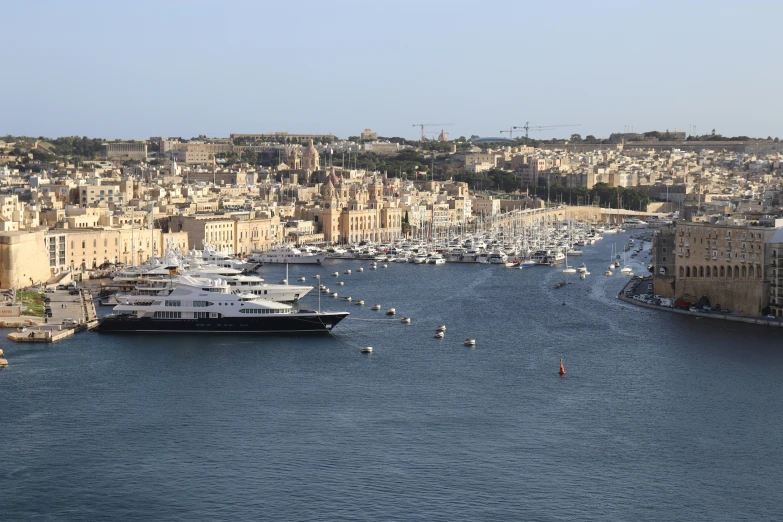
750, 319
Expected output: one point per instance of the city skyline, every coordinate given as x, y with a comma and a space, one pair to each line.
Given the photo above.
120, 71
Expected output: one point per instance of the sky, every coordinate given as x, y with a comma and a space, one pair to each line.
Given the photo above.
135, 69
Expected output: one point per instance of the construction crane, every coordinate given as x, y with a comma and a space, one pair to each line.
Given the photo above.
528, 127
422, 125
510, 132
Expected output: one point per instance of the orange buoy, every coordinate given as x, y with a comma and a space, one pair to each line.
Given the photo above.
562, 369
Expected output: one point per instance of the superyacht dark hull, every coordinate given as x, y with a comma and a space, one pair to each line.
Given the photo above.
272, 324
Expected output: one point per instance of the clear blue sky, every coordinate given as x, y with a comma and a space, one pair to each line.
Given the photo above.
134, 69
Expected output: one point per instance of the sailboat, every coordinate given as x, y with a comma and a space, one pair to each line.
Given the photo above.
627, 270
568, 269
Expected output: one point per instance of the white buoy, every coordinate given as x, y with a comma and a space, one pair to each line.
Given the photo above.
391, 311
349, 298
373, 267
376, 307
469, 342
334, 294
303, 279
336, 274
405, 320
385, 265
347, 272
341, 283
366, 349
360, 270
441, 328
438, 335
284, 282
360, 303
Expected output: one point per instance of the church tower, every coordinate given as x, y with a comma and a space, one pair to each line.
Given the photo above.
310, 158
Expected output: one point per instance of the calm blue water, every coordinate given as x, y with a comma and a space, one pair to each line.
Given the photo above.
660, 417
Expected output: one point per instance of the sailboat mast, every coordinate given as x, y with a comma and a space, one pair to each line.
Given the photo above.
133, 238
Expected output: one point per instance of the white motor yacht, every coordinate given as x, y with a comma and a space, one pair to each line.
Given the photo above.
286, 255
194, 305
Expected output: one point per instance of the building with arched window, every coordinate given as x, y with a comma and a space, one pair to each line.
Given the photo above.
719, 264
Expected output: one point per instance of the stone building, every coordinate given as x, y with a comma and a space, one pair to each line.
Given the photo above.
776, 273
125, 150
723, 265
663, 261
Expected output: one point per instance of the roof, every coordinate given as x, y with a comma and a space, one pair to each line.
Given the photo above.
777, 237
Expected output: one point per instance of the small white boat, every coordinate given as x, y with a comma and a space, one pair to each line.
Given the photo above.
335, 274
438, 335
469, 342
347, 272
349, 298
405, 320
391, 311
582, 276
341, 283
375, 307
385, 265
359, 303
303, 279
360, 270
366, 349
21, 329
284, 281
3, 363
441, 328
334, 294
374, 267
569, 270
582, 268
608, 273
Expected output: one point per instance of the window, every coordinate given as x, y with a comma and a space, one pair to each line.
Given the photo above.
202, 304
664, 250
201, 315
168, 315
174, 303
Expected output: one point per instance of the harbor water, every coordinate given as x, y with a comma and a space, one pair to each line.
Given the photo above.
659, 417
